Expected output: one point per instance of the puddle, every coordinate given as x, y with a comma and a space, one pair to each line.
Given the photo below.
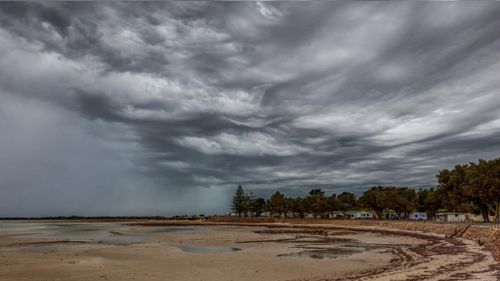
40, 248
208, 249
175, 229
331, 253
122, 239
325, 240
78, 233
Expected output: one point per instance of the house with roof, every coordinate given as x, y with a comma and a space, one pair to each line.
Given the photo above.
450, 217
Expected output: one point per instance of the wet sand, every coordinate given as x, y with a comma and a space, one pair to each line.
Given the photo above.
110, 251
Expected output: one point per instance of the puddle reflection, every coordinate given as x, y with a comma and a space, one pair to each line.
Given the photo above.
207, 249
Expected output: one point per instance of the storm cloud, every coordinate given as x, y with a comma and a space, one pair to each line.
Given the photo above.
162, 108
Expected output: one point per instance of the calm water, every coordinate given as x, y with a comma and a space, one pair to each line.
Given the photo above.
328, 253
173, 229
207, 249
91, 233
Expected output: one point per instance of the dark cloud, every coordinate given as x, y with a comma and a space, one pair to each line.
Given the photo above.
161, 108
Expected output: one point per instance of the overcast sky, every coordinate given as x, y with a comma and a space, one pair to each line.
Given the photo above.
163, 108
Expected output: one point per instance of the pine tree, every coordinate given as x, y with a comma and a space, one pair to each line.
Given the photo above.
240, 201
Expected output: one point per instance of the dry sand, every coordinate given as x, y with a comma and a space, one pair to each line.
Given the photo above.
124, 252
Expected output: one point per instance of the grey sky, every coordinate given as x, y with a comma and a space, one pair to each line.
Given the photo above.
162, 108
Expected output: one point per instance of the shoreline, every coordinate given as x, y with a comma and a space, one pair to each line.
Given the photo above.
437, 244
261, 254
483, 236
417, 255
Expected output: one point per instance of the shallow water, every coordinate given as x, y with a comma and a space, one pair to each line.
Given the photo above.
121, 239
172, 229
207, 249
330, 253
41, 248
90, 233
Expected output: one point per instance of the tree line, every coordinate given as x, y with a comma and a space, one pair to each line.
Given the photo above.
471, 188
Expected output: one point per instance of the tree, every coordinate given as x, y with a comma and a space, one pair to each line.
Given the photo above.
450, 189
374, 199
403, 199
493, 186
474, 186
302, 206
258, 205
292, 205
332, 203
240, 201
399, 199
428, 201
277, 203
346, 201
317, 202
482, 186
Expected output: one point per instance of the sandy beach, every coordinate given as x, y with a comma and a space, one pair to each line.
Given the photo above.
129, 251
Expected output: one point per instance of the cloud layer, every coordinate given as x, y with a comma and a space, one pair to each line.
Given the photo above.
161, 108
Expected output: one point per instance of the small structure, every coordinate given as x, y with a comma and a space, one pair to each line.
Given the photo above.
349, 214
393, 216
418, 216
362, 215
336, 215
309, 216
265, 214
474, 217
450, 217
290, 215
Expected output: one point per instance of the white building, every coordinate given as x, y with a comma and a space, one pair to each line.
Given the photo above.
265, 214
363, 215
336, 215
418, 216
309, 215
450, 217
